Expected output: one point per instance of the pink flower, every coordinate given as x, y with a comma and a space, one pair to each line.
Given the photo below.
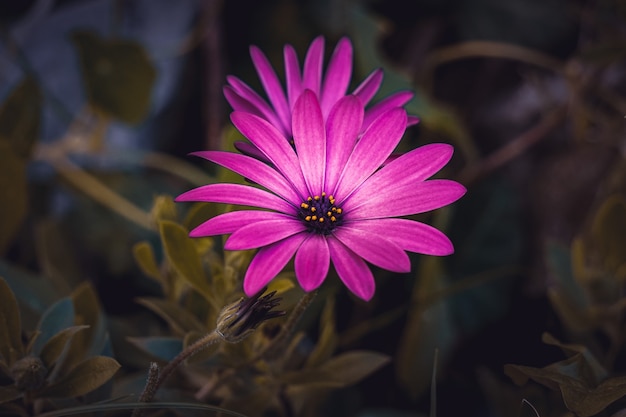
329, 199
329, 88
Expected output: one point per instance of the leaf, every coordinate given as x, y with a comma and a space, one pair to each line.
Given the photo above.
164, 208
351, 367
20, 117
58, 317
608, 230
183, 256
144, 256
84, 378
327, 342
117, 74
57, 345
13, 194
11, 347
180, 320
164, 348
9, 393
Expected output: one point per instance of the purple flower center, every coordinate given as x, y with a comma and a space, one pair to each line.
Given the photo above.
320, 214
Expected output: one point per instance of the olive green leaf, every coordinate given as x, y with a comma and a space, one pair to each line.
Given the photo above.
56, 318
9, 393
183, 256
11, 347
118, 75
164, 208
84, 378
608, 231
144, 256
327, 342
13, 193
179, 319
20, 117
54, 347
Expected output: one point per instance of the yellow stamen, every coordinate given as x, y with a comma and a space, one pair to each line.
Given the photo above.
307, 218
321, 220
309, 199
313, 209
304, 205
333, 219
316, 198
328, 213
323, 194
334, 209
339, 211
313, 218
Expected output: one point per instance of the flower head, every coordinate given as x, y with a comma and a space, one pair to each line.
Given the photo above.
329, 88
329, 199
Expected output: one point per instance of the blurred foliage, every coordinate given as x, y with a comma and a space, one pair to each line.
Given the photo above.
99, 277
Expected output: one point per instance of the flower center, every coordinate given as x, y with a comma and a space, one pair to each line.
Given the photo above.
320, 214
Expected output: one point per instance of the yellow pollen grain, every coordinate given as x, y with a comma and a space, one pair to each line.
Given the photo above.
309, 199
328, 213
339, 211
333, 219
313, 209
307, 218
316, 198
323, 194
334, 209
313, 218
304, 205
321, 220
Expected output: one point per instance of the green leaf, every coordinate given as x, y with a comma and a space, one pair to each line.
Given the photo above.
118, 75
9, 393
13, 194
164, 208
351, 367
11, 347
608, 231
144, 256
58, 317
84, 378
164, 348
327, 342
54, 347
183, 256
20, 117
180, 320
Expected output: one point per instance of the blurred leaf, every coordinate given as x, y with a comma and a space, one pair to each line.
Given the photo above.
144, 255
608, 230
11, 347
84, 378
280, 285
429, 327
56, 256
33, 292
20, 117
13, 194
164, 348
118, 75
164, 208
9, 393
351, 367
183, 256
327, 342
588, 366
560, 266
179, 319
58, 317
57, 345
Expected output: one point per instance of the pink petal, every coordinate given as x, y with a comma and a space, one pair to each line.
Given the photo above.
255, 171
398, 99
374, 248
277, 149
268, 113
249, 149
309, 136
227, 223
292, 74
263, 233
376, 144
403, 201
407, 169
268, 262
312, 262
313, 65
412, 121
343, 126
271, 84
239, 103
237, 194
369, 87
337, 75
409, 235
352, 270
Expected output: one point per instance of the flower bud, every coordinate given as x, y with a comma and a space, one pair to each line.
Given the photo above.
29, 373
237, 320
